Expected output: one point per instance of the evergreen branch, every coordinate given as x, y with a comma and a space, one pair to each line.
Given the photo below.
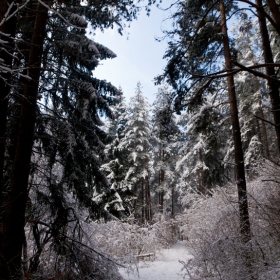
273, 23
224, 73
201, 23
59, 15
257, 73
276, 125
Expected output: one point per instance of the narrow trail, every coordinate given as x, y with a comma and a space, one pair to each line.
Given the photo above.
165, 267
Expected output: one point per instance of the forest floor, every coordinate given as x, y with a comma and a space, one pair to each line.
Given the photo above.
166, 266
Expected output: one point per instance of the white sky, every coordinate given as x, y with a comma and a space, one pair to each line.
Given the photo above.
139, 55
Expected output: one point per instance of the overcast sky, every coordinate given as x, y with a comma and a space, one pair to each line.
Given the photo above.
139, 55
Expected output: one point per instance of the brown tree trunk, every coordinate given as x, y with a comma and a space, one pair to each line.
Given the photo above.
202, 185
143, 201
238, 151
15, 210
8, 27
161, 193
274, 8
173, 203
148, 200
135, 202
270, 71
264, 132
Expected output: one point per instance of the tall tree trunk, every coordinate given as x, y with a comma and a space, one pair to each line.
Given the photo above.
238, 151
161, 193
15, 210
274, 8
202, 185
143, 201
264, 132
135, 202
148, 200
9, 28
173, 202
270, 71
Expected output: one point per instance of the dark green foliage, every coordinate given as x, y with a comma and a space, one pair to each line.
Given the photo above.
194, 51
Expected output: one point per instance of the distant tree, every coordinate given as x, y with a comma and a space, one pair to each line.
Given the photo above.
201, 163
136, 141
164, 132
118, 201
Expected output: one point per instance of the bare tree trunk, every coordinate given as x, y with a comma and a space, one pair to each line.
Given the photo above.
202, 185
270, 71
159, 187
148, 200
15, 210
264, 132
274, 8
135, 201
143, 201
238, 151
161, 175
173, 203
9, 28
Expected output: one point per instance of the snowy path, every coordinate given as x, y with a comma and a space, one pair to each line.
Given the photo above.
165, 267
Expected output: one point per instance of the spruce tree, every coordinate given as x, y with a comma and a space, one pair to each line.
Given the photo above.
137, 142
118, 201
164, 131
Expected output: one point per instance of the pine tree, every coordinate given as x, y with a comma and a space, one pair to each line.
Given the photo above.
270, 71
202, 155
116, 167
251, 93
164, 132
137, 142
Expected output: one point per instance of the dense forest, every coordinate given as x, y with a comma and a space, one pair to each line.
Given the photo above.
90, 182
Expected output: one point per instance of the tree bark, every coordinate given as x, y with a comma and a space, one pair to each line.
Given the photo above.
135, 202
173, 203
270, 71
161, 176
264, 132
9, 28
143, 201
202, 185
15, 210
238, 151
148, 200
274, 8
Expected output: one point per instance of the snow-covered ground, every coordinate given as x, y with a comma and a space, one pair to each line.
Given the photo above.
165, 267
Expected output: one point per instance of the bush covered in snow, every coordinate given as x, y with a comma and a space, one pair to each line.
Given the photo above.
125, 241
211, 229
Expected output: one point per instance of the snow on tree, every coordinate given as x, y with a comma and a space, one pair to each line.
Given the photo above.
164, 132
252, 93
202, 152
136, 142
117, 165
